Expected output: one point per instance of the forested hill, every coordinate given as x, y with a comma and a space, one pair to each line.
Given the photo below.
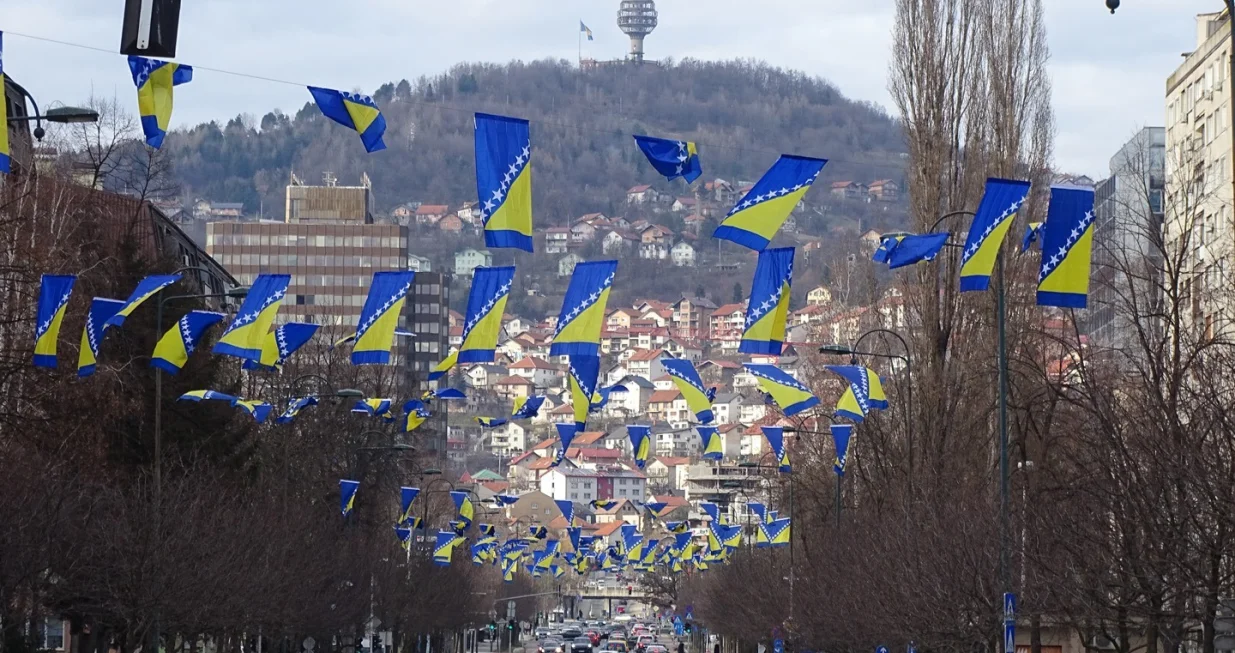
741, 113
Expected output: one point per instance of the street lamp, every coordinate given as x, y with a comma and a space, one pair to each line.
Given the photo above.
63, 115
341, 393
1112, 5
853, 353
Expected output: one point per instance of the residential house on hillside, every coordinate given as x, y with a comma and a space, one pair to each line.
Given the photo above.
624, 512
727, 407
633, 402
450, 222
663, 472
618, 242
484, 375
884, 190
429, 214
615, 482
403, 213
681, 348
514, 386
683, 254
557, 240
721, 191
850, 190
809, 314
726, 326
514, 349
582, 232
507, 439
693, 223
819, 296
534, 507
655, 233
681, 441
653, 251
870, 241
642, 194
566, 264
752, 411
620, 318
469, 259
718, 371
646, 363
683, 205
540, 372
573, 483
470, 213
454, 337
520, 473
690, 318
419, 263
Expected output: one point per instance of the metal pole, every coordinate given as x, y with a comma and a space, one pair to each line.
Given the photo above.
838, 505
158, 457
1001, 316
791, 566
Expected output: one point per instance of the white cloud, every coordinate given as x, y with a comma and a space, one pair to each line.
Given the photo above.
1109, 71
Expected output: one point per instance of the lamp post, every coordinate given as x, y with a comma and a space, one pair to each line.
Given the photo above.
62, 115
427, 490
750, 465
853, 353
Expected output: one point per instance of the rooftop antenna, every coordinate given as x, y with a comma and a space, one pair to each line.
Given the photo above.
637, 18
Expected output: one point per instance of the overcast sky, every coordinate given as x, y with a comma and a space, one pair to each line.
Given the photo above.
1109, 71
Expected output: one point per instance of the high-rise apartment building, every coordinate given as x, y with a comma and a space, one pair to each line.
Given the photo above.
1127, 254
1197, 206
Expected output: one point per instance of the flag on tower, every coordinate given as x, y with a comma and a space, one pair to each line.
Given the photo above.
997, 210
54, 293
174, 348
354, 111
1067, 248
485, 306
768, 309
671, 158
375, 333
756, 218
246, 334
583, 310
154, 80
504, 180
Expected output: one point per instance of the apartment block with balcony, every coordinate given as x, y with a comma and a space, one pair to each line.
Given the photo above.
1198, 160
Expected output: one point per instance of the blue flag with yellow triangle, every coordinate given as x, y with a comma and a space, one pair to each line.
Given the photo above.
689, 383
640, 443
354, 111
712, 446
504, 180
482, 324
175, 347
347, 495
246, 335
584, 373
375, 332
54, 293
776, 439
582, 317
786, 391
768, 310
146, 288
671, 158
840, 439
1067, 248
865, 392
756, 218
281, 343
154, 80
996, 211
5, 161
101, 310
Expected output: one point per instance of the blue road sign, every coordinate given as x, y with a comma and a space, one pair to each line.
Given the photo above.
881, 649
1009, 622
778, 646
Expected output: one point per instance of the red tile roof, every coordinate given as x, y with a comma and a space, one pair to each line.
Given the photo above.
432, 209
673, 461
647, 354
515, 380
532, 363
588, 437
663, 396
610, 528
638, 189
728, 309
523, 456
593, 452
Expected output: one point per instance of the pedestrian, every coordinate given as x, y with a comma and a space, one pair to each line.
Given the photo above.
681, 646
716, 647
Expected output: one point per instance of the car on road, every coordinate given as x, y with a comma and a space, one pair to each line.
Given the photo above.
549, 645
593, 636
542, 633
580, 645
656, 648
615, 645
570, 633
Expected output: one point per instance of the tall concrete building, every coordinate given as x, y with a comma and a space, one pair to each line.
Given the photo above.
1127, 253
1197, 206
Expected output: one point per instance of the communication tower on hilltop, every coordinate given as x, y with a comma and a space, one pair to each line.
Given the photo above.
637, 19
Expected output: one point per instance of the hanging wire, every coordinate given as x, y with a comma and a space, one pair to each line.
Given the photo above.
470, 111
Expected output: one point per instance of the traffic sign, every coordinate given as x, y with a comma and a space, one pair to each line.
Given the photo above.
510, 609
881, 649
778, 646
